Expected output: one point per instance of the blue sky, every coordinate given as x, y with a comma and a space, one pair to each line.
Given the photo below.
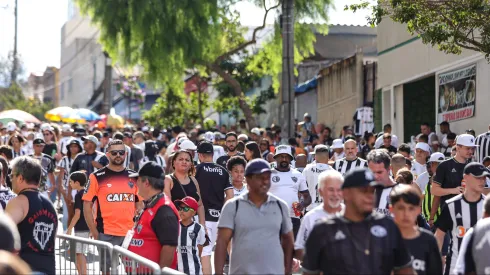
40, 23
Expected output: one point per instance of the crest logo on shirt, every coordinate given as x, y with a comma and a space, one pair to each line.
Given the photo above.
295, 179
131, 184
378, 231
192, 235
42, 232
460, 231
276, 178
139, 227
339, 236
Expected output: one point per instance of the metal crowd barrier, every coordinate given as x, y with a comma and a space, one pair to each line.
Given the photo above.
122, 260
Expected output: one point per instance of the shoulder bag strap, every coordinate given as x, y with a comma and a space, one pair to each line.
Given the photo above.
176, 180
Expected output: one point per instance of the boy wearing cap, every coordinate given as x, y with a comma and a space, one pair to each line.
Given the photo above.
422, 152
192, 237
461, 212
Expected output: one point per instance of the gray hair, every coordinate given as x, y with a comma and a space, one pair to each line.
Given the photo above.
329, 174
154, 182
29, 168
379, 156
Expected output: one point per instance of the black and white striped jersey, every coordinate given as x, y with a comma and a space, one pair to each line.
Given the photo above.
187, 251
457, 216
343, 165
482, 149
21, 152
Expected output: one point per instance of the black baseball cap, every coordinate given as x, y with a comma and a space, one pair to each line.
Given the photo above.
257, 166
38, 140
476, 169
359, 177
205, 148
149, 169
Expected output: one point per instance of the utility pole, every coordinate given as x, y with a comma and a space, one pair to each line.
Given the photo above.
13, 76
287, 85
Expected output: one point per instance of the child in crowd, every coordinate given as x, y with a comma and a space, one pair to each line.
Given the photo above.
78, 180
191, 237
405, 206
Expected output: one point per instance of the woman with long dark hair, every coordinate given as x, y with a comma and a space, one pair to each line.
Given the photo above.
182, 183
16, 142
73, 148
152, 154
252, 151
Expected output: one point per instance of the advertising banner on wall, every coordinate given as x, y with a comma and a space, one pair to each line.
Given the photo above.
457, 94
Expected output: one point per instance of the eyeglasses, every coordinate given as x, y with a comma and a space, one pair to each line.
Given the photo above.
185, 208
117, 152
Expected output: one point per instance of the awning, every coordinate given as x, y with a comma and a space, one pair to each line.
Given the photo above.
306, 86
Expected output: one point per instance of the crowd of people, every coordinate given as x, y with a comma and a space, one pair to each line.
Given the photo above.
260, 202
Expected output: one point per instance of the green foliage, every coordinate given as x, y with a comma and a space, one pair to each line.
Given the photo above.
173, 108
167, 37
12, 98
449, 25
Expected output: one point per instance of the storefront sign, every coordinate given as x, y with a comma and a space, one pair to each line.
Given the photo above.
457, 94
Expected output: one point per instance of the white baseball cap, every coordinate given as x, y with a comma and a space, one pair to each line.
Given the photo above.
46, 126
466, 140
242, 136
209, 136
11, 126
187, 145
255, 131
337, 144
66, 128
423, 146
437, 157
284, 149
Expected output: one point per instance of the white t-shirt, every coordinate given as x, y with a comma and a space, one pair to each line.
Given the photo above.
417, 169
238, 192
422, 181
311, 173
309, 221
338, 156
379, 141
287, 185
218, 152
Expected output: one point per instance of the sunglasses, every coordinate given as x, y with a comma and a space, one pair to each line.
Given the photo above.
117, 152
185, 208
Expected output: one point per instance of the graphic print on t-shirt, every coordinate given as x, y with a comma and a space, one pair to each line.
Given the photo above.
42, 232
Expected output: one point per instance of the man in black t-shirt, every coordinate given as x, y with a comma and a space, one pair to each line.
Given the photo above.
359, 241
214, 183
449, 174
231, 142
90, 159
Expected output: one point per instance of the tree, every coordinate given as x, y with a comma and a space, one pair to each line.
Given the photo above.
6, 68
167, 37
12, 98
452, 25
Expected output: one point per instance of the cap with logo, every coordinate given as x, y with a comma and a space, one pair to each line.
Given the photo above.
74, 141
437, 157
187, 145
257, 166
91, 138
149, 169
205, 148
209, 136
476, 170
359, 177
188, 201
320, 149
38, 139
284, 149
466, 140
337, 144
423, 146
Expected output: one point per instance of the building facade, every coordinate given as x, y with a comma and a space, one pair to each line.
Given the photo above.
418, 83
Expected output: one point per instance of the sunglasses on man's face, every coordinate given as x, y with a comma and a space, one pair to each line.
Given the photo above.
185, 208
117, 152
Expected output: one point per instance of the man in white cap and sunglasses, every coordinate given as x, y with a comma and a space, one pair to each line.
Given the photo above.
289, 184
422, 152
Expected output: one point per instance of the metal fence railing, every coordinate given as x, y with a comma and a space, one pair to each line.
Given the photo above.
66, 258
122, 261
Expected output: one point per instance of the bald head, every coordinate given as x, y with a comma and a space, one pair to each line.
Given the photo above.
301, 161
350, 149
